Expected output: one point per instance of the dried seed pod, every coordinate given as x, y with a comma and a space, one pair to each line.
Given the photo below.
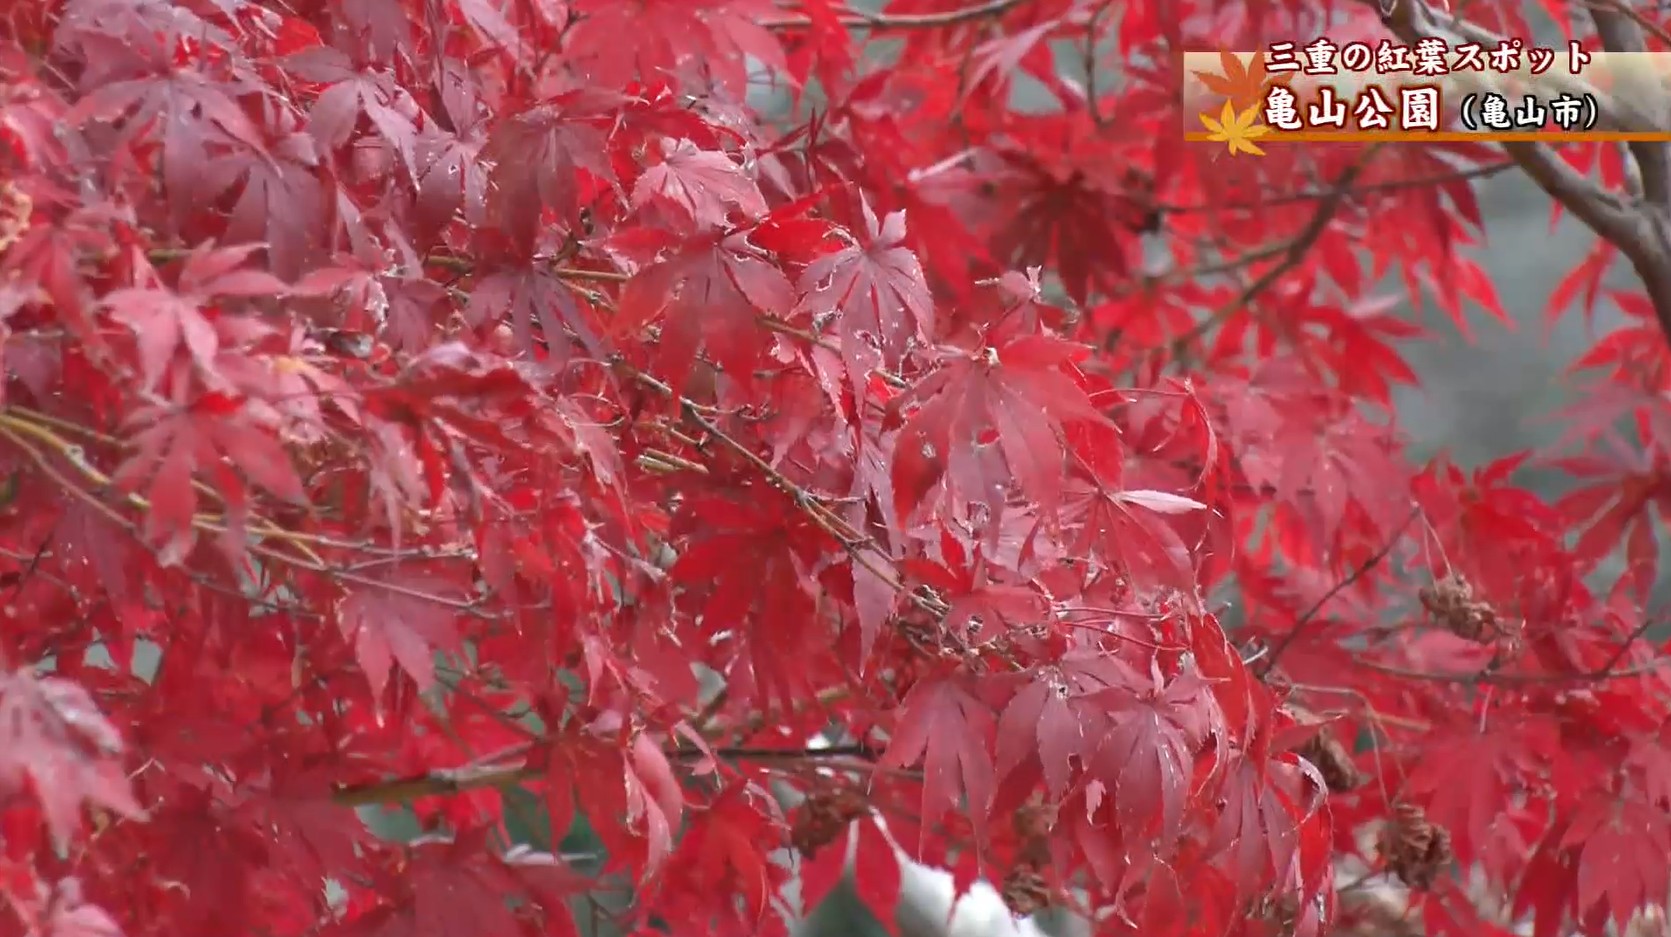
1451, 604
1024, 890
1413, 848
1032, 824
824, 816
1333, 761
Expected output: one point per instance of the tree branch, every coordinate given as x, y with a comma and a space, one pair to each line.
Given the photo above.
1303, 622
860, 19
1621, 32
1640, 228
449, 781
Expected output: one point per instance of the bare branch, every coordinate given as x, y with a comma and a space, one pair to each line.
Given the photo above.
444, 782
1640, 228
1620, 31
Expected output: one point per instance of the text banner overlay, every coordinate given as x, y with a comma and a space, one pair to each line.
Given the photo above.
1322, 91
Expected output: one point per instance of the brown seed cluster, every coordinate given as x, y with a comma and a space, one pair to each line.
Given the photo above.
15, 209
824, 816
1024, 888
1333, 761
1451, 604
1413, 848
1025, 891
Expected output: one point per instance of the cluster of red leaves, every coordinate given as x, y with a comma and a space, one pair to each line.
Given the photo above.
409, 398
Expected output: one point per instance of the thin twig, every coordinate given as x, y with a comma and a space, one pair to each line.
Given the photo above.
453, 781
1302, 623
1292, 254
859, 19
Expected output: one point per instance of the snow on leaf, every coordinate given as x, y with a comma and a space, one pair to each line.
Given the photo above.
949, 730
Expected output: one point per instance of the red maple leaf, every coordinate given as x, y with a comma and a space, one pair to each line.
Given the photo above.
987, 420
56, 740
875, 291
945, 725
1146, 757
403, 619
621, 41
703, 185
707, 297
202, 119
171, 444
548, 159
1624, 856
353, 93
167, 320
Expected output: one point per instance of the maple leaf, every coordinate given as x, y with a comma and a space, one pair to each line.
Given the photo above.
1243, 86
353, 93
1468, 775
1237, 128
533, 297
643, 39
720, 851
1065, 203
875, 872
199, 118
1147, 756
452, 179
742, 561
981, 610
172, 443
705, 185
165, 321
876, 291
947, 727
448, 890
707, 297
53, 735
1052, 718
1263, 809
912, 497
547, 159
988, 419
1624, 856
282, 201
403, 619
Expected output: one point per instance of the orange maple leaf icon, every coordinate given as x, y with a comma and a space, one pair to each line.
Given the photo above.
1244, 85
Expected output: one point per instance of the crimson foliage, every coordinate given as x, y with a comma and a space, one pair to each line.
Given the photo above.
407, 401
